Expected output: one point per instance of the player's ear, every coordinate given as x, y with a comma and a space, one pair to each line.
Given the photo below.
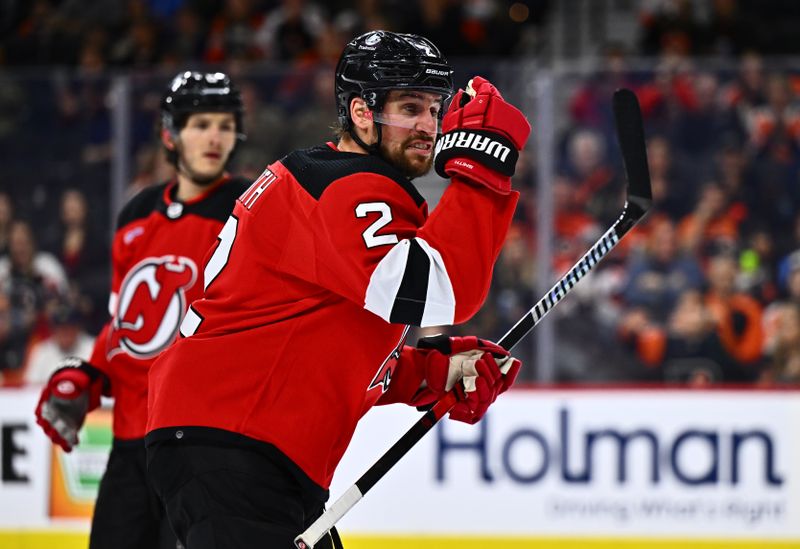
167, 139
360, 114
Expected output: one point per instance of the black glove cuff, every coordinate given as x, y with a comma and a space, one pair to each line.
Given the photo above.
489, 149
438, 342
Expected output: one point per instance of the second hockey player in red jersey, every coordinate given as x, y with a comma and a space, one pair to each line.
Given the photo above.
326, 260
162, 237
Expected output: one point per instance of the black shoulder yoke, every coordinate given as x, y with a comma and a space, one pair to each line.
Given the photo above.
316, 168
141, 205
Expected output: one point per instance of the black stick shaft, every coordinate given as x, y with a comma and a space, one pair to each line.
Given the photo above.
630, 215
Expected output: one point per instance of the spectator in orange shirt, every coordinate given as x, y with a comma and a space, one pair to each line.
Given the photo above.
738, 316
685, 349
713, 221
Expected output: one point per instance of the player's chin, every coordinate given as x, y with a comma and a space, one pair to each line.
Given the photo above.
417, 164
208, 172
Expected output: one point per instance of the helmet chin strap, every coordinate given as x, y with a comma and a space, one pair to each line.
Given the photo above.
374, 148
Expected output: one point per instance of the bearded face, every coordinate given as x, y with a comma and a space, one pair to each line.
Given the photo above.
409, 123
413, 156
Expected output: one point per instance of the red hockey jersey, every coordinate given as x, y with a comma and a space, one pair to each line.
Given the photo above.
157, 255
324, 262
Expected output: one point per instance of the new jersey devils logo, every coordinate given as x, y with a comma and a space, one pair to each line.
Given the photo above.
151, 305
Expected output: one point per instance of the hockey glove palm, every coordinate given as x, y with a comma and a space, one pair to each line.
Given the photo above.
479, 370
482, 137
71, 392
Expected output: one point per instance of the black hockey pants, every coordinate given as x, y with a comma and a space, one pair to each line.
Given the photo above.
128, 514
219, 497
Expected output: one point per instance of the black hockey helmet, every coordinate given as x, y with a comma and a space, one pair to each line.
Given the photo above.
192, 92
379, 61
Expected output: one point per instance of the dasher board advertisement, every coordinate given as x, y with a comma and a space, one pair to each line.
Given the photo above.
716, 465
544, 464
38, 481
24, 461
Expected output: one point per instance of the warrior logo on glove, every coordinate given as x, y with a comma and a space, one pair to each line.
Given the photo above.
482, 137
152, 300
479, 144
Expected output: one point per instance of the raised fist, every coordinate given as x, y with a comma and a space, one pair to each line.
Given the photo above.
482, 137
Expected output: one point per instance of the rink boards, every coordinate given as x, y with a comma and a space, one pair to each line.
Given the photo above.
547, 468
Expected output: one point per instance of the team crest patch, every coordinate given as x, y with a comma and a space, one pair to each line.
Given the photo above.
150, 306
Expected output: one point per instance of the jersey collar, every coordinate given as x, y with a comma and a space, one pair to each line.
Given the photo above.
174, 208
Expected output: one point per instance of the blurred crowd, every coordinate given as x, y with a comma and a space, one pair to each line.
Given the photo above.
99, 34
705, 290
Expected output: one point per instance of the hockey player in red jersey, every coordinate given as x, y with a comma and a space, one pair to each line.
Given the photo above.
162, 237
326, 261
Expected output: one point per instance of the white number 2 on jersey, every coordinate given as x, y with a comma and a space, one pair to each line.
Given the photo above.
370, 238
217, 261
219, 258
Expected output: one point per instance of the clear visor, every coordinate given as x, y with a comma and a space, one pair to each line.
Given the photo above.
420, 122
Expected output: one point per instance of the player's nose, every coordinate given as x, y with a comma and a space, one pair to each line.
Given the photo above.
426, 123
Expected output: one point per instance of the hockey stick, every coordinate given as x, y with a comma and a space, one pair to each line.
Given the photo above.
630, 134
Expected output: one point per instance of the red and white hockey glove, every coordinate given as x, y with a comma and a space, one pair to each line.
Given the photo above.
479, 370
482, 137
72, 391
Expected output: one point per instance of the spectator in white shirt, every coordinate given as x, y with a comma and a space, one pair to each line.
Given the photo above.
68, 338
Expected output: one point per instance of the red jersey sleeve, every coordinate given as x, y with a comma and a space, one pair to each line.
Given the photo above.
377, 247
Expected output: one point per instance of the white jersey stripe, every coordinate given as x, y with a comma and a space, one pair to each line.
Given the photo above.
385, 280
440, 303
384, 284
